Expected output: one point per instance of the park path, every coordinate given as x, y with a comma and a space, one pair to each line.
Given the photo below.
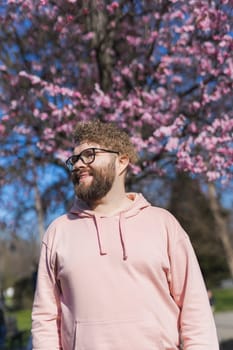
224, 324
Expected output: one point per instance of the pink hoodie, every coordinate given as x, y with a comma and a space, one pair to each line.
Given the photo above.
124, 282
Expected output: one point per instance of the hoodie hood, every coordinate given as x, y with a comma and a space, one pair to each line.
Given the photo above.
138, 203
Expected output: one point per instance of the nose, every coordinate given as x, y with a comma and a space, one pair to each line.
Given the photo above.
78, 164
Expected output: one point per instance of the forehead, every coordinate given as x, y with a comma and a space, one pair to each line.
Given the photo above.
82, 146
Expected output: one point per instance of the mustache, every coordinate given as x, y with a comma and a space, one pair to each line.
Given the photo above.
77, 173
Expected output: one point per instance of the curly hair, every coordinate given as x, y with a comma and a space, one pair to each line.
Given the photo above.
107, 135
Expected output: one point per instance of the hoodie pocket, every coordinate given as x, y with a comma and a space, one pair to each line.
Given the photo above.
116, 335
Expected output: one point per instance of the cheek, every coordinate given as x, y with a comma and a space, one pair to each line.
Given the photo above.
74, 178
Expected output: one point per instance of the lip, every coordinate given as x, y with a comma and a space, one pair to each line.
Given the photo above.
83, 176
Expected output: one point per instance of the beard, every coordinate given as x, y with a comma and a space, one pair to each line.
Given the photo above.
102, 181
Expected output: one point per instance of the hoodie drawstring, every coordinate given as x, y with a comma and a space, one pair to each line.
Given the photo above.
98, 236
121, 230
81, 209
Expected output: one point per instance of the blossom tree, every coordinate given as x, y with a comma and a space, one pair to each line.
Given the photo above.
161, 69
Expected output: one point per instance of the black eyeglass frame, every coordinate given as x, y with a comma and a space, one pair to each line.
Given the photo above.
70, 162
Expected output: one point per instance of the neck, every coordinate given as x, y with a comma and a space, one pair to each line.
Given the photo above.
114, 202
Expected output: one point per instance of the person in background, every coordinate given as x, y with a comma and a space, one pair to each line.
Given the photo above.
115, 272
3, 329
34, 279
211, 299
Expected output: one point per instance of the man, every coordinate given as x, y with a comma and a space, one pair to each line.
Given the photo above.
116, 273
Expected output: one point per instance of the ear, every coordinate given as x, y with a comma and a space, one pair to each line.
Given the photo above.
123, 162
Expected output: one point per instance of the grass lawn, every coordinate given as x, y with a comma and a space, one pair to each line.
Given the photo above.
23, 318
223, 302
223, 299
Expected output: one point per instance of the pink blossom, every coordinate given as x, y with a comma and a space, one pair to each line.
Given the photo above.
48, 133
85, 11
89, 36
69, 18
147, 68
112, 7
188, 28
103, 100
138, 142
126, 104
67, 128
2, 129
43, 2
135, 169
46, 147
126, 71
176, 79
14, 104
146, 19
153, 35
212, 175
209, 47
44, 116
184, 161
134, 41
200, 165
33, 78
3, 68
229, 69
192, 127
36, 66
6, 117
177, 14
23, 130
163, 131
196, 105
147, 117
161, 92
172, 144
204, 20
178, 30
77, 94
62, 155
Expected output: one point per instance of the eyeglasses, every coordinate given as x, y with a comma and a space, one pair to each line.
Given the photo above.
87, 156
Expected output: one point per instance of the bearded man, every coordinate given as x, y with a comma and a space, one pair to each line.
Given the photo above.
116, 273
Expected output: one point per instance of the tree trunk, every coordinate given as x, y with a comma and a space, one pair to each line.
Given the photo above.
39, 211
103, 44
222, 228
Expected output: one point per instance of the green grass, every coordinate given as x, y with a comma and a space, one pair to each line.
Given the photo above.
23, 318
223, 299
23, 322
223, 302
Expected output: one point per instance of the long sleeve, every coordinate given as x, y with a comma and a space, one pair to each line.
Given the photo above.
197, 325
46, 306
